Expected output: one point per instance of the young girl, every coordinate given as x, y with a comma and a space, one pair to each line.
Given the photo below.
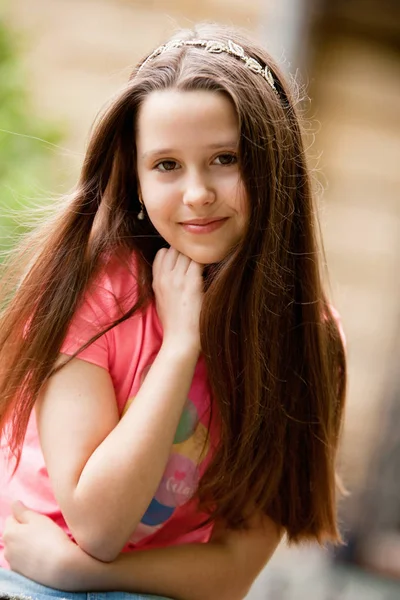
172, 374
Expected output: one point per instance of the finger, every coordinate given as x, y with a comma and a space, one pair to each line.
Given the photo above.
182, 262
170, 259
195, 268
159, 257
21, 512
158, 261
9, 524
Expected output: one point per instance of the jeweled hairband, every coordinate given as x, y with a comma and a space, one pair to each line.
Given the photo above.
216, 47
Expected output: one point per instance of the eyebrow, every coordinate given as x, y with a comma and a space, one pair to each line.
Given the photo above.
232, 145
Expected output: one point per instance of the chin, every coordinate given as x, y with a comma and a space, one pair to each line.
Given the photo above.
206, 256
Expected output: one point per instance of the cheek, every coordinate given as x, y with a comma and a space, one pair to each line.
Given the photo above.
235, 195
159, 202
161, 214
242, 205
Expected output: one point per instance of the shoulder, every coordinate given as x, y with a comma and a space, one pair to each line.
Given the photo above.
116, 287
113, 291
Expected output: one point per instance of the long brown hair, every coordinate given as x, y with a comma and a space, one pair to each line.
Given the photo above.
274, 353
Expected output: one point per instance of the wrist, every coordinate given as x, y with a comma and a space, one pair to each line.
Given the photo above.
62, 574
78, 571
180, 349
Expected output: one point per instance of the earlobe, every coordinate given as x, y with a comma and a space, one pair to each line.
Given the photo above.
141, 214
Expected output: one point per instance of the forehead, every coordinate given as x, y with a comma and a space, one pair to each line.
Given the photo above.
177, 117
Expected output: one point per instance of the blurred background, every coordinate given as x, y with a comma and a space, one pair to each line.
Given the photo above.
60, 60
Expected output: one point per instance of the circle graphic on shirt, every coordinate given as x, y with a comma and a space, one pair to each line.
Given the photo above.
157, 513
187, 423
179, 482
182, 474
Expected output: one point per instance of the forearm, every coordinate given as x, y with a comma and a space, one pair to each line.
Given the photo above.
224, 568
188, 572
116, 484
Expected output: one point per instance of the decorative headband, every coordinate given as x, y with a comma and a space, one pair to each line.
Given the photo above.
216, 47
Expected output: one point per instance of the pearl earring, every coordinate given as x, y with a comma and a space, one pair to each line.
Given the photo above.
141, 214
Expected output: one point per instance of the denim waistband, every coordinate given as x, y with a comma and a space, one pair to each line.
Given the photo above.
17, 587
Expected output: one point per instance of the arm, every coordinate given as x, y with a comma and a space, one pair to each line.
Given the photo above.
223, 569
98, 464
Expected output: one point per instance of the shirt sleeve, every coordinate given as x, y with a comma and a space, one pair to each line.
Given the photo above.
111, 294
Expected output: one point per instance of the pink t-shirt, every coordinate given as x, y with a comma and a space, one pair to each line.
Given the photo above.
127, 352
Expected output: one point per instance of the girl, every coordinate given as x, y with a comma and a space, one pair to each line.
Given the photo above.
172, 374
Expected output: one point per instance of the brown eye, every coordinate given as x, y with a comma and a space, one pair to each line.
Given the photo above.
166, 165
227, 159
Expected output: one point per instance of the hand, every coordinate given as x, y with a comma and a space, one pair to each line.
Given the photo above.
178, 288
29, 537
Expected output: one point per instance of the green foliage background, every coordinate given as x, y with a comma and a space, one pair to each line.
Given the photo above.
25, 155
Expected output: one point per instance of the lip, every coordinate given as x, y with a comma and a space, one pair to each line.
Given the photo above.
203, 221
203, 225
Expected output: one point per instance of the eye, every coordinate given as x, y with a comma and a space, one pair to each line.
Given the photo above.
166, 165
226, 159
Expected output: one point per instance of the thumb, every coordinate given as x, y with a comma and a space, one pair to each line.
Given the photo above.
20, 512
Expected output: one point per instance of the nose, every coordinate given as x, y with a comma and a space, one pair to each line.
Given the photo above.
198, 192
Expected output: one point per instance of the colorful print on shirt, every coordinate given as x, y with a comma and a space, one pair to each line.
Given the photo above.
181, 476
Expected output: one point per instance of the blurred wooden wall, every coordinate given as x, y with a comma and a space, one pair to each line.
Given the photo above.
78, 52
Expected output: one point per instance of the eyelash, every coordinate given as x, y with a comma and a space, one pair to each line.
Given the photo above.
163, 162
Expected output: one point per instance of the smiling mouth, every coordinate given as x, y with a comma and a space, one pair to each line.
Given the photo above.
203, 222
203, 225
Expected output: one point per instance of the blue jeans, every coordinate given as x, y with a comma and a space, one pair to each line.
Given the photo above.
16, 587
